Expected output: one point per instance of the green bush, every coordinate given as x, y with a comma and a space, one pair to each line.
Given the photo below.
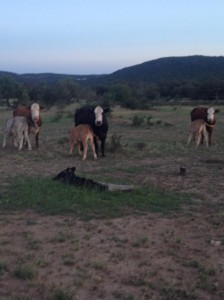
137, 120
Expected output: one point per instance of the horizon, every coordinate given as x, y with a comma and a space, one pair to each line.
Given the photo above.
83, 75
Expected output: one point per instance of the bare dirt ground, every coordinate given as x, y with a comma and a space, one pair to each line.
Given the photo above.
150, 256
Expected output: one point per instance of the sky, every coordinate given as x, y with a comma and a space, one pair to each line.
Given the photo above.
85, 37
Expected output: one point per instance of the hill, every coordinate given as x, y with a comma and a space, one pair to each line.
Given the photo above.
190, 77
173, 68
49, 78
168, 68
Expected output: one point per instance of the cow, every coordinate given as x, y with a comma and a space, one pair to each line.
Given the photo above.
19, 129
197, 130
95, 117
32, 114
208, 115
82, 134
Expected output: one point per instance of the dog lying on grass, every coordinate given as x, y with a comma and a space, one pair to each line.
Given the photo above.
68, 176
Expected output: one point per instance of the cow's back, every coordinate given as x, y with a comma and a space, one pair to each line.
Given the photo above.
21, 111
199, 113
84, 115
20, 124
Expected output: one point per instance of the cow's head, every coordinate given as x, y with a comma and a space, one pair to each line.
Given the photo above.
99, 111
35, 113
211, 114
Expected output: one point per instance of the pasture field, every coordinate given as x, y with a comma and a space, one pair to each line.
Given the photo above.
163, 240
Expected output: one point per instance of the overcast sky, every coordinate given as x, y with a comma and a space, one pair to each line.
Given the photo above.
102, 36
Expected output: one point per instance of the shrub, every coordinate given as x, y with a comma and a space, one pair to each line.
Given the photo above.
24, 272
57, 117
115, 143
137, 120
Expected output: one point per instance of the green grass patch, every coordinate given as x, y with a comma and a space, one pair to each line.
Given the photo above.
50, 197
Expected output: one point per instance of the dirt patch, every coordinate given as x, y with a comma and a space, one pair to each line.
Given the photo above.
140, 257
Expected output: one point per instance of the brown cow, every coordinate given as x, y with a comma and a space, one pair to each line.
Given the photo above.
208, 115
80, 135
197, 130
32, 115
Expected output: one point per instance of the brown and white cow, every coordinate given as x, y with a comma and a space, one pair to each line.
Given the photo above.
32, 114
208, 115
81, 135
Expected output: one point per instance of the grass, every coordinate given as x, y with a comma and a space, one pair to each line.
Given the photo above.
142, 155
46, 196
61, 293
3, 268
25, 272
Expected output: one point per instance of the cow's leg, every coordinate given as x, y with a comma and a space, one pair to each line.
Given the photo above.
71, 147
37, 139
85, 145
27, 139
96, 146
14, 137
210, 138
80, 147
205, 136
189, 138
93, 147
20, 137
103, 146
198, 138
202, 138
209, 132
4, 140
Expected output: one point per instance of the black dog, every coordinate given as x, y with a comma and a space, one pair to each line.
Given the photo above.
68, 176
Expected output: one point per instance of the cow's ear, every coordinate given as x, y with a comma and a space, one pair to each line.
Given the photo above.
42, 107
107, 109
217, 111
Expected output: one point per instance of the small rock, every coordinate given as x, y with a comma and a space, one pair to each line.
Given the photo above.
216, 243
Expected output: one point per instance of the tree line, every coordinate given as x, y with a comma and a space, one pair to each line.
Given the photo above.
140, 94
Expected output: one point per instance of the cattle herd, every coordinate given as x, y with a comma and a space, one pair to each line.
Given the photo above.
91, 126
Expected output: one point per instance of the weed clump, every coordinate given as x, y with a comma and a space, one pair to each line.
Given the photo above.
115, 143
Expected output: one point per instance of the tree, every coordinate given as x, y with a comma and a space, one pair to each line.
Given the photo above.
9, 88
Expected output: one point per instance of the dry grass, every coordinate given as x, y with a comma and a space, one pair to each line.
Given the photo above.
135, 257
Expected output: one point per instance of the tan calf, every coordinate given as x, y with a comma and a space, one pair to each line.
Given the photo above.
198, 130
80, 135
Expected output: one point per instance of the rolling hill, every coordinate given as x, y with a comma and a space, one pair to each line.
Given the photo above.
173, 68
163, 69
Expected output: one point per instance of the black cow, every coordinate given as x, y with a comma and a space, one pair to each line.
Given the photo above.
208, 115
96, 118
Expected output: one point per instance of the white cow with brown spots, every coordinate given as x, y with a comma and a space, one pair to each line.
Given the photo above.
81, 135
